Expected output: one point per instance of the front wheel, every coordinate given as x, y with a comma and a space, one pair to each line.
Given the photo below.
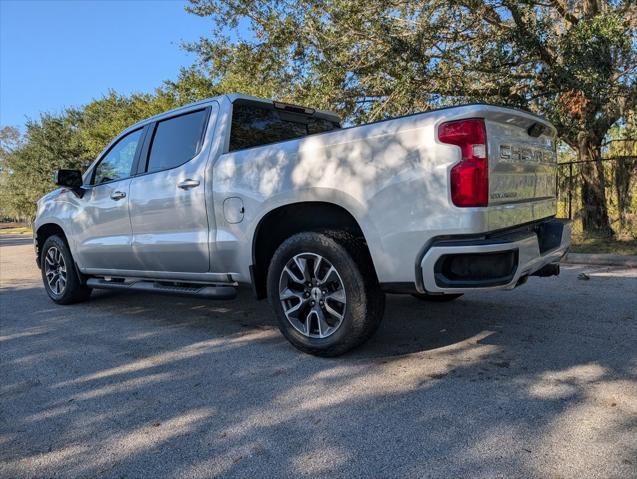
60, 279
324, 292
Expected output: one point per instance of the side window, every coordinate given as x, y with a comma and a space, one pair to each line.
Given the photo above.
176, 140
256, 125
118, 162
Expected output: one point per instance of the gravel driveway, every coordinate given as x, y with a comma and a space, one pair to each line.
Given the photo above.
536, 382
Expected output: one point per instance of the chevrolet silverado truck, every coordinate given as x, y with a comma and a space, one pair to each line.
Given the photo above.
321, 220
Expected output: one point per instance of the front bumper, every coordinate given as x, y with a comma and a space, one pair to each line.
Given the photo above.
499, 260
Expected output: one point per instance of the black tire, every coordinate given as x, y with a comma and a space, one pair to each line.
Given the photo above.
436, 298
74, 291
365, 301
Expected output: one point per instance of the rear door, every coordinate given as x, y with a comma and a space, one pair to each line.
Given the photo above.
168, 197
522, 168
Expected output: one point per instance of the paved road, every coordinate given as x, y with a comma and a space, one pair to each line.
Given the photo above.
537, 382
13, 240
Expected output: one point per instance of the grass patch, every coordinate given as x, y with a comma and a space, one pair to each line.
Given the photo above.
604, 246
14, 229
20, 230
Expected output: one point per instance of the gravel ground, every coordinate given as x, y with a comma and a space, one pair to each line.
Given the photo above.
536, 382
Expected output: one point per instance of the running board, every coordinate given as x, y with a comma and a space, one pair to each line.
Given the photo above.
209, 291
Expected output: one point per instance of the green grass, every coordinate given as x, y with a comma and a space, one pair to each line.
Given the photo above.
21, 230
14, 229
604, 246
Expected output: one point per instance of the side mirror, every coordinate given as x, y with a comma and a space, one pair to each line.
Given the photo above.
68, 178
71, 179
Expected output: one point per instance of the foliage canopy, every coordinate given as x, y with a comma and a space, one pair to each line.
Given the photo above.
574, 62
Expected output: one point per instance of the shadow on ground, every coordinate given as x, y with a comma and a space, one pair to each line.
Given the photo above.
537, 382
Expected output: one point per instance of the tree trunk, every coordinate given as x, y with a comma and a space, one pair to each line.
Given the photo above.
625, 170
595, 220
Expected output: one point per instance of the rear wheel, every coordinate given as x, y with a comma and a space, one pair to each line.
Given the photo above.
59, 276
324, 292
436, 298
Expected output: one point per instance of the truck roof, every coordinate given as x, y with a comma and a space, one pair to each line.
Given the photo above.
232, 97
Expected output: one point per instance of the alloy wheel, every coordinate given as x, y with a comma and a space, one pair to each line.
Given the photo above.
312, 295
55, 270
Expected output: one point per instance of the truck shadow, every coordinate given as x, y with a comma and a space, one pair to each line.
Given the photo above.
409, 325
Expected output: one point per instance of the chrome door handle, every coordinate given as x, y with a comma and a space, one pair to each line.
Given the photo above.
187, 184
118, 195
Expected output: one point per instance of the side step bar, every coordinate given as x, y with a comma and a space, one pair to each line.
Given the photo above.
209, 291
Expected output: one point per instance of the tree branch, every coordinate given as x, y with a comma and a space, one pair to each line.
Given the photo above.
545, 52
562, 8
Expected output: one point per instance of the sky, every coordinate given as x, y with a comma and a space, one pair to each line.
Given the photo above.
56, 54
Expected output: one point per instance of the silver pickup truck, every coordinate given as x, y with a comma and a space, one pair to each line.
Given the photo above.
320, 219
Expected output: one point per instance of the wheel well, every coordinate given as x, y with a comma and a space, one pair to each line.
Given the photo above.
285, 221
44, 232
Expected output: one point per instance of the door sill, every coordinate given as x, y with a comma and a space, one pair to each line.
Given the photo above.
200, 290
205, 278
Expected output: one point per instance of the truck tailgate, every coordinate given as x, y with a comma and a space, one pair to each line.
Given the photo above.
522, 168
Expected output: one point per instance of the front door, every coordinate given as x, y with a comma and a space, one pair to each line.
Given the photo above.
167, 199
105, 234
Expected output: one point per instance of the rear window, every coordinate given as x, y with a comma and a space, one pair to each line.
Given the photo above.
177, 140
256, 125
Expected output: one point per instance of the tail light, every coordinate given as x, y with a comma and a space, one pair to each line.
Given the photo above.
470, 177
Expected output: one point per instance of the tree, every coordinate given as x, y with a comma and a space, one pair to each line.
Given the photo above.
74, 138
10, 139
574, 62
27, 170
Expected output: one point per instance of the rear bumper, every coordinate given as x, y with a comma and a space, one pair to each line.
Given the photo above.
493, 261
